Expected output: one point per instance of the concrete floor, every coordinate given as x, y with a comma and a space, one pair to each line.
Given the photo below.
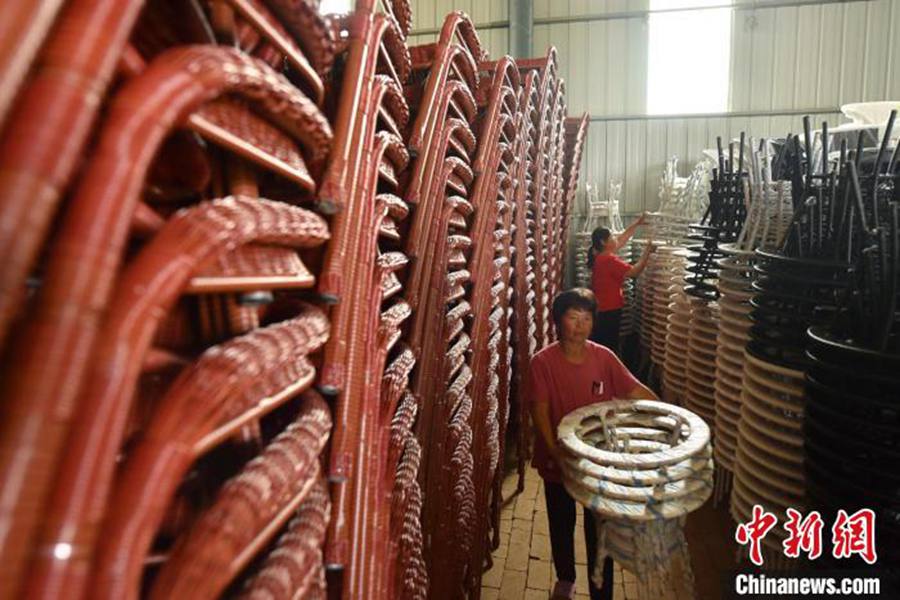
523, 568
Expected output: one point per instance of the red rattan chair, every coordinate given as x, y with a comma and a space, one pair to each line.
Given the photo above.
41, 381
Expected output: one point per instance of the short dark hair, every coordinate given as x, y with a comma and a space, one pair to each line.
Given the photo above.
598, 240
575, 298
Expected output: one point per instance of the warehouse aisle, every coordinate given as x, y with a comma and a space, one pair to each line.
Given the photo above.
523, 569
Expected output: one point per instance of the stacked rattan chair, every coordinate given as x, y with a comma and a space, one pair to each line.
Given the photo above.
851, 426
635, 250
319, 256
643, 299
555, 195
576, 135
794, 287
680, 201
547, 189
440, 190
853, 382
493, 196
147, 398
664, 275
721, 223
524, 326
701, 359
365, 364
677, 337
769, 215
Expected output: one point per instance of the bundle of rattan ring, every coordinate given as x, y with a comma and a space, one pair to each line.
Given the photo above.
641, 466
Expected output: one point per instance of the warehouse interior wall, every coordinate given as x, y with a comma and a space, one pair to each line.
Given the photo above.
491, 19
788, 59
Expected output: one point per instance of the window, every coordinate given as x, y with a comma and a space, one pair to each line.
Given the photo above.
328, 7
688, 57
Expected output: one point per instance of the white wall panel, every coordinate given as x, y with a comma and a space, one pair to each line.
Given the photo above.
715, 127
854, 27
597, 156
443, 7
603, 61
814, 56
597, 82
762, 55
783, 59
615, 150
429, 15
578, 68
657, 153
784, 55
741, 53
893, 52
424, 14
479, 11
828, 87
676, 144
635, 166
878, 24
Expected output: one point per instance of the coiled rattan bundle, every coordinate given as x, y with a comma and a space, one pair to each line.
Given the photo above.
641, 466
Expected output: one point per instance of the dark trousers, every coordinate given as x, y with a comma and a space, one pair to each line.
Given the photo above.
561, 514
606, 328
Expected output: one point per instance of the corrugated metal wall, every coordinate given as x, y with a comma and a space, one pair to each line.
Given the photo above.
428, 15
785, 60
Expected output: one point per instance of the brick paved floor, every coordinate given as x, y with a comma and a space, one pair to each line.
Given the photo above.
523, 568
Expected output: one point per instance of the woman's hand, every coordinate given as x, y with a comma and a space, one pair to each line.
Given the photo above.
638, 268
630, 230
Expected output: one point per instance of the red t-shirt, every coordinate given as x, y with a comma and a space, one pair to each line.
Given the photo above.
567, 386
607, 278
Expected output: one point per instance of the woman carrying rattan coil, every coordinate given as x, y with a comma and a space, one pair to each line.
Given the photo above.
566, 375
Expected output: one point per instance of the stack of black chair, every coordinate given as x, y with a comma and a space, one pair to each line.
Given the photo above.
801, 285
852, 425
721, 224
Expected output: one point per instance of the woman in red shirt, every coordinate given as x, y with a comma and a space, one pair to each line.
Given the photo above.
568, 374
608, 273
